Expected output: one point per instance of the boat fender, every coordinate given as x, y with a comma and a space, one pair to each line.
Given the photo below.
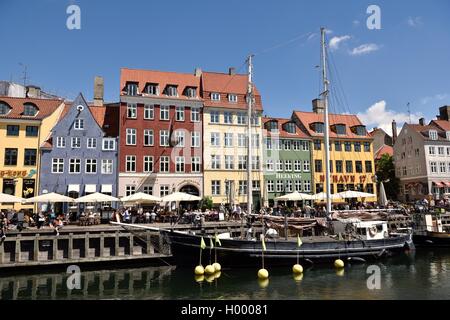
356, 259
373, 231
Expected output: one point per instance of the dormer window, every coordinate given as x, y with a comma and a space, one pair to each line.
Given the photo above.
232, 98
447, 134
359, 130
132, 89
4, 108
272, 126
29, 110
152, 88
171, 91
289, 127
191, 92
340, 129
433, 134
215, 96
318, 127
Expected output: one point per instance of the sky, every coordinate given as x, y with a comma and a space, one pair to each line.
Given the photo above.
399, 71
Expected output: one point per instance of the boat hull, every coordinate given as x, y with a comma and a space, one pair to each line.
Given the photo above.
432, 239
186, 249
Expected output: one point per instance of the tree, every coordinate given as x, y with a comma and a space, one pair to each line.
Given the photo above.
206, 203
385, 172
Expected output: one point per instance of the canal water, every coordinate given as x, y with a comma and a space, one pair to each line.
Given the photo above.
424, 274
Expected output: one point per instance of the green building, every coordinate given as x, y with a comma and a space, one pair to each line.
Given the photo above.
287, 159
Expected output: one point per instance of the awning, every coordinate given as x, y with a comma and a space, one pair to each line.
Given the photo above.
439, 184
106, 188
447, 184
74, 188
90, 188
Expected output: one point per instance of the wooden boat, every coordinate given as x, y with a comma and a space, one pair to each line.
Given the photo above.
429, 230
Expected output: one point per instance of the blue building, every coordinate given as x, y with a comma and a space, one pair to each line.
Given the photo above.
80, 155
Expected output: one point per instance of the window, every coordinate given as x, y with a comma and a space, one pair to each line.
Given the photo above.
272, 126
164, 164
180, 138
229, 162
60, 142
164, 138
242, 187
270, 186
215, 139
288, 186
242, 162
296, 145
338, 146
360, 130
319, 187
340, 129
305, 145
92, 143
132, 89
75, 166
130, 190
242, 140
287, 144
179, 113
215, 187
317, 145
405, 172
29, 110
163, 190
131, 137
441, 151
357, 146
215, 96
109, 144
297, 165
107, 166
279, 167
433, 134
57, 165
431, 151
306, 186
195, 166
256, 164
318, 127
148, 137
79, 124
76, 142
171, 91
31, 131
214, 116
91, 166
268, 144
417, 152
130, 164
366, 146
30, 157
12, 130
318, 165
358, 167
442, 167
306, 166
298, 185
152, 88
447, 135
179, 164
132, 110
348, 166
340, 187
339, 168
269, 165
195, 139
255, 120
369, 188
191, 92
348, 146
228, 117
232, 98
164, 113
255, 140
241, 118
215, 162
4, 108
289, 127
280, 186
148, 164
228, 139
148, 190
331, 166
195, 114
288, 166
149, 112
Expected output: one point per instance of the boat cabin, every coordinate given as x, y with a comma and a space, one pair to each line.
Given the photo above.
372, 230
429, 222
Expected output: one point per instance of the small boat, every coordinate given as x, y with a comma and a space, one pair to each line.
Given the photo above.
429, 230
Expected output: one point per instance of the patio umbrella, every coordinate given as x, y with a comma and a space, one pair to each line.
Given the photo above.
96, 197
49, 197
355, 194
141, 197
382, 196
180, 196
323, 196
295, 196
7, 198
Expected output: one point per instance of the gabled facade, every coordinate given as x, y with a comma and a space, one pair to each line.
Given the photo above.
80, 156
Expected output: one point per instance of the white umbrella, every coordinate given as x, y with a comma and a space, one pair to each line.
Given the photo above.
7, 198
295, 196
96, 197
355, 194
141, 197
49, 197
382, 196
180, 196
323, 196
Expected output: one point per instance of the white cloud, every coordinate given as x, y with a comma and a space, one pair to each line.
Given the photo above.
364, 49
336, 41
436, 97
414, 21
312, 36
356, 23
378, 116
328, 31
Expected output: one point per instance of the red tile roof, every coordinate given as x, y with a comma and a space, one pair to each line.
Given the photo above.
384, 150
350, 120
442, 124
46, 107
424, 131
281, 132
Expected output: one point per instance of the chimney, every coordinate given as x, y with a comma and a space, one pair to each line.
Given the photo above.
33, 92
318, 106
231, 71
198, 72
98, 91
444, 113
422, 121
394, 131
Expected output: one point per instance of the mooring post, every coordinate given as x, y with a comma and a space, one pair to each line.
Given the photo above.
131, 244
36, 248
55, 249
86, 245
70, 246
18, 251
150, 249
102, 244
116, 244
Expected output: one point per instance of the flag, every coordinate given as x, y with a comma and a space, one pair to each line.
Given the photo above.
202, 244
263, 243
211, 245
218, 240
299, 241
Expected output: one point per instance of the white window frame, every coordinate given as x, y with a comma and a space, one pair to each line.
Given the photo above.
215, 187
195, 139
233, 98
179, 113
279, 186
215, 139
131, 110
229, 162
75, 161
307, 166
195, 114
215, 96
180, 138
228, 117
150, 135
78, 124
195, 165
148, 161
180, 164
164, 137
107, 143
89, 165
91, 145
75, 142
163, 162
270, 165
215, 162
130, 159
131, 135
214, 117
107, 166
433, 135
270, 186
298, 166
149, 112
228, 139
163, 112
59, 163
60, 142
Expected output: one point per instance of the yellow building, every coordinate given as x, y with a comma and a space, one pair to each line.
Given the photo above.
224, 139
24, 125
351, 151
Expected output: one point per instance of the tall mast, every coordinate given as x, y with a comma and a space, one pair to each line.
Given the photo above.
249, 139
327, 124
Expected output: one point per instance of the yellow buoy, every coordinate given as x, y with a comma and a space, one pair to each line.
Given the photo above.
217, 266
210, 278
340, 272
298, 277
263, 274
263, 283
209, 269
199, 270
199, 278
297, 269
339, 264
217, 274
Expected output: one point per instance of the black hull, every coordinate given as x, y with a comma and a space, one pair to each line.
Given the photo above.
186, 249
432, 240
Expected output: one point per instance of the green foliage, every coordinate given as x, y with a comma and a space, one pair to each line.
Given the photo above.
386, 173
206, 203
